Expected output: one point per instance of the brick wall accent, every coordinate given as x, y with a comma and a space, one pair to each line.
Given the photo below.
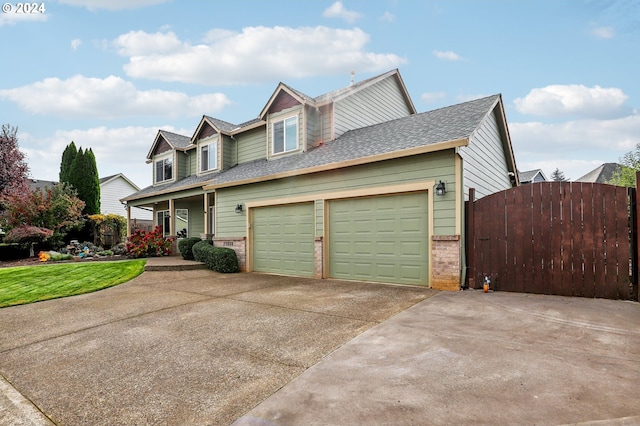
319, 251
238, 244
445, 250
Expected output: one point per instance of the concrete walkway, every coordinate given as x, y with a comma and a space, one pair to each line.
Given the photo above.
198, 348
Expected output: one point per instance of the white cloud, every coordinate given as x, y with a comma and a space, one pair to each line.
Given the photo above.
603, 32
75, 43
447, 56
136, 43
337, 10
112, 4
108, 98
574, 99
388, 17
433, 96
575, 147
12, 18
108, 145
257, 54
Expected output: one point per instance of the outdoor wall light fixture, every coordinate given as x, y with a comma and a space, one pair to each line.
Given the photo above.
441, 189
239, 208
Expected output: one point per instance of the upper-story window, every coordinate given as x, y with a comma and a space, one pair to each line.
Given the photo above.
285, 135
209, 157
164, 169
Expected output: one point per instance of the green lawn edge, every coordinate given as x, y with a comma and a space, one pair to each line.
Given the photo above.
22, 285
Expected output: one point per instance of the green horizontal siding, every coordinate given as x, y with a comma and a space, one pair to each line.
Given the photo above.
434, 166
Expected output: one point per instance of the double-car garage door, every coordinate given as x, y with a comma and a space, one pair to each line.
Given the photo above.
381, 238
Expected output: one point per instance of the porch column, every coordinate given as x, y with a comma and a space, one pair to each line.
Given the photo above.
206, 214
128, 220
172, 213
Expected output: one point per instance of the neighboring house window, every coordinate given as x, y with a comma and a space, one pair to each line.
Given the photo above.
164, 169
162, 220
209, 157
285, 135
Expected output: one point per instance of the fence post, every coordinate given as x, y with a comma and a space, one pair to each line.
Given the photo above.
470, 239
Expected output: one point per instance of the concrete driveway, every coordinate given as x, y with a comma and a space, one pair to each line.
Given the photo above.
178, 348
201, 348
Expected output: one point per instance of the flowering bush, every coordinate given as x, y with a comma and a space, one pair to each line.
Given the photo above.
145, 244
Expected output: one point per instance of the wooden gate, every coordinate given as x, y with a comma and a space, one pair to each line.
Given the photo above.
559, 238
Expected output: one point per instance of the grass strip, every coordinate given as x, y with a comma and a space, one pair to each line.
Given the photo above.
27, 284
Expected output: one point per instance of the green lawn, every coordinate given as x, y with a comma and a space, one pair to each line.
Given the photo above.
28, 284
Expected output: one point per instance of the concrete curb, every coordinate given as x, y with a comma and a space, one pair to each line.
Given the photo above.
14, 406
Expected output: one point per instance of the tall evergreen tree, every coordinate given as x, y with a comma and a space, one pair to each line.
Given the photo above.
558, 176
93, 183
68, 155
83, 176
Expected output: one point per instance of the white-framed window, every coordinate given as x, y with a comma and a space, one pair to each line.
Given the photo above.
181, 223
209, 157
285, 135
164, 169
162, 220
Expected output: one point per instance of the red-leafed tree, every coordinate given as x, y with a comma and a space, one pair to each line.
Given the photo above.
56, 208
14, 171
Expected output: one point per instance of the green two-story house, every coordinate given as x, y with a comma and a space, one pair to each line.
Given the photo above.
353, 184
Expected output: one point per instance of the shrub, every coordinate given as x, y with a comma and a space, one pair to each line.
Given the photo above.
119, 249
219, 259
145, 244
200, 249
56, 257
186, 245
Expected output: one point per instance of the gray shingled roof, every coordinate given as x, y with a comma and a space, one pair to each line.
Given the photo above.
600, 174
441, 125
527, 176
176, 140
181, 184
225, 126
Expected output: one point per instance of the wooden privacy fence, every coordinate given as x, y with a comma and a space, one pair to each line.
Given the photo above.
558, 238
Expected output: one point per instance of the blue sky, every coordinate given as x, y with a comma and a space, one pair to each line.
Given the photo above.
108, 74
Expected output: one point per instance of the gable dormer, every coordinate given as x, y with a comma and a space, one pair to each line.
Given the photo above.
164, 156
286, 119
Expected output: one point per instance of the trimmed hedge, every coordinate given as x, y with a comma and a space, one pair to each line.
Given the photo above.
219, 259
185, 246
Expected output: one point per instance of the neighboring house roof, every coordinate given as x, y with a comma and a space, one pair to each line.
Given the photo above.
435, 130
36, 184
601, 174
176, 141
532, 176
108, 179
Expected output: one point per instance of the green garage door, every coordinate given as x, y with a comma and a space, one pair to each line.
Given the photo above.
383, 239
283, 239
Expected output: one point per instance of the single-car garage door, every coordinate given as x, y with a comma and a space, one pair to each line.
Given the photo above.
382, 238
283, 238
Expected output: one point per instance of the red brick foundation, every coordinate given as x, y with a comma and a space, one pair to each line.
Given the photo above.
446, 269
238, 244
